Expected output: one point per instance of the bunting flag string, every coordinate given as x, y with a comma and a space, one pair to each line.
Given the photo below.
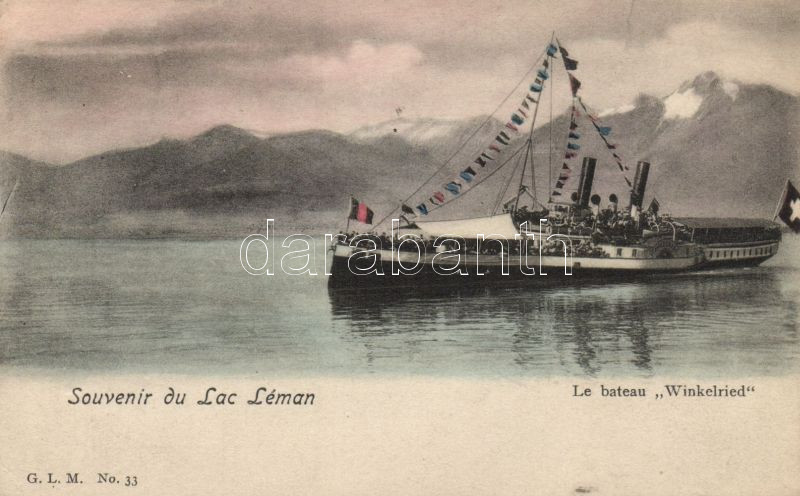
502, 139
564, 175
604, 132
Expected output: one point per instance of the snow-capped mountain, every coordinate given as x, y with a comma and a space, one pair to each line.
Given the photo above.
717, 148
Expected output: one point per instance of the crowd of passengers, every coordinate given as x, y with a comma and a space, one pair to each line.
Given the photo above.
608, 226
578, 248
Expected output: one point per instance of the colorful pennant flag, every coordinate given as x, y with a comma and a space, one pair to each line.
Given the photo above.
512, 127
517, 119
574, 84
500, 140
406, 209
468, 174
551, 50
559, 185
574, 135
573, 146
605, 131
439, 196
494, 148
480, 161
570, 64
537, 88
453, 187
570, 155
542, 73
423, 209
486, 156
525, 104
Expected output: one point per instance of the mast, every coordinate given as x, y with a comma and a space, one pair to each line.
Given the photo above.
530, 149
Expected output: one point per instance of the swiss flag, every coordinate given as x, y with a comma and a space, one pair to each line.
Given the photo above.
790, 207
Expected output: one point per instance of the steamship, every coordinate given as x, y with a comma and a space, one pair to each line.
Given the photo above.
524, 238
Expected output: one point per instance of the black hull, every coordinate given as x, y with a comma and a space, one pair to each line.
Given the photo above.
342, 278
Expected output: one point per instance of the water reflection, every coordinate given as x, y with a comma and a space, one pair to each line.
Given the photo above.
597, 327
189, 307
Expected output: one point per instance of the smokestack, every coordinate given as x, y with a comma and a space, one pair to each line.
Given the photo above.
639, 183
585, 184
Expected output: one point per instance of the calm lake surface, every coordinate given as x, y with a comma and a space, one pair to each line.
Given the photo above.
189, 307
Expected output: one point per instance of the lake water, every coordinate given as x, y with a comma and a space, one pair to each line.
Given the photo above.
189, 307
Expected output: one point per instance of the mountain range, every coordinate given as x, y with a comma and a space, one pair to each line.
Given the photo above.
717, 148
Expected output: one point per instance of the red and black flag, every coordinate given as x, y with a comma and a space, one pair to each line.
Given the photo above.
790, 207
360, 211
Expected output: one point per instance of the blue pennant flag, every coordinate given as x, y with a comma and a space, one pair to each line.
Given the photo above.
536, 88
423, 209
605, 131
453, 187
543, 74
574, 135
551, 50
573, 146
468, 174
517, 119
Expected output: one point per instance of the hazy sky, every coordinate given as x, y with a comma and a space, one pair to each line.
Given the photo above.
80, 77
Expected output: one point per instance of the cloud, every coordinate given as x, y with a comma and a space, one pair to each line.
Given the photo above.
79, 77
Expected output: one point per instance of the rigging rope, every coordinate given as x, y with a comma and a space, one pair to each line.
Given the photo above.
461, 147
487, 176
502, 193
